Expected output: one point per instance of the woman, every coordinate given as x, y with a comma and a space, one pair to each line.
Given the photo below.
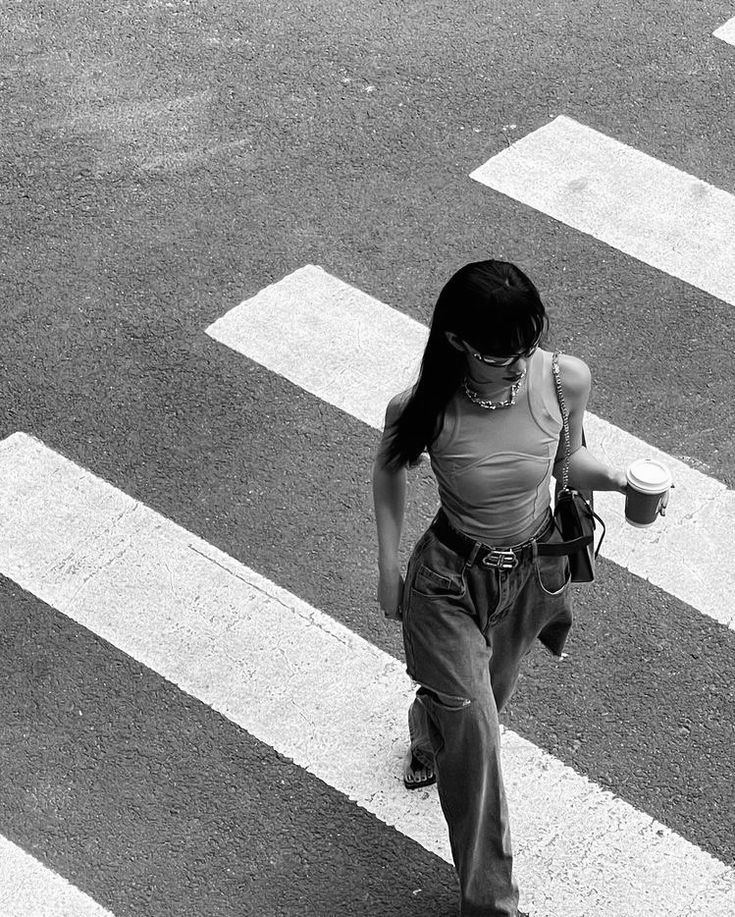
476, 593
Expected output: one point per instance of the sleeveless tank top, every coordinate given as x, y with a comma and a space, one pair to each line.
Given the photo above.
493, 468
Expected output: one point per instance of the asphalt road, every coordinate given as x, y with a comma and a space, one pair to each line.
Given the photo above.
161, 162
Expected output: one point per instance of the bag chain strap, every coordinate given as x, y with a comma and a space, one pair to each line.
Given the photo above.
564, 417
565, 465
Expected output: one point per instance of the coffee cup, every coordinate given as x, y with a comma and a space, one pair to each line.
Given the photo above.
647, 495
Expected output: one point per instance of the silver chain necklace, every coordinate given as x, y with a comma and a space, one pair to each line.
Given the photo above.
493, 405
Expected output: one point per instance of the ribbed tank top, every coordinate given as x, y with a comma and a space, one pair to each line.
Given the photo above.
493, 468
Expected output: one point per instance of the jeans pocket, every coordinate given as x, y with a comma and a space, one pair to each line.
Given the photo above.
432, 584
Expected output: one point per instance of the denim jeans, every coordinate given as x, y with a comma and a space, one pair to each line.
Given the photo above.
466, 629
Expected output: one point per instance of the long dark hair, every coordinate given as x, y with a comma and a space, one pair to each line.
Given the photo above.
491, 305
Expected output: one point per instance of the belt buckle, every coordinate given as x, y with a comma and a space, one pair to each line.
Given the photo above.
503, 560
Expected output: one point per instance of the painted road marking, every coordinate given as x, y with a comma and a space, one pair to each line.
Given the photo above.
355, 352
30, 889
633, 202
318, 693
328, 338
726, 32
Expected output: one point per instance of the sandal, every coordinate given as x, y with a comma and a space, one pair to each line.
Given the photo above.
415, 765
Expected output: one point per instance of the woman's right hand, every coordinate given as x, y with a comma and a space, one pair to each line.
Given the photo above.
390, 590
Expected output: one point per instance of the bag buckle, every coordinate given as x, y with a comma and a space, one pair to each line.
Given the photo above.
502, 560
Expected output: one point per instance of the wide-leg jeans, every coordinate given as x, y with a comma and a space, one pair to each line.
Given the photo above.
466, 629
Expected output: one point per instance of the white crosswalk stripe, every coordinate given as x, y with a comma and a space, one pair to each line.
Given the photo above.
726, 32
355, 352
218, 630
30, 889
665, 217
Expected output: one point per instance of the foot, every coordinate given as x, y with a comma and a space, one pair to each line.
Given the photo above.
416, 774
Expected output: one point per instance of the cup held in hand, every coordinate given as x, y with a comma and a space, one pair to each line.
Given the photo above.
649, 483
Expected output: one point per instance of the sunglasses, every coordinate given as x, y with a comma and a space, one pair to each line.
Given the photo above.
506, 361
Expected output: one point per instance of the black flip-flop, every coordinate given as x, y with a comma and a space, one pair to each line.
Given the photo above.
417, 765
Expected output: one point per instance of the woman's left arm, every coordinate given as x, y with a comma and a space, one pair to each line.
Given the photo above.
585, 471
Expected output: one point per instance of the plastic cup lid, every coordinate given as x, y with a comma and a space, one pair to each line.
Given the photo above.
649, 476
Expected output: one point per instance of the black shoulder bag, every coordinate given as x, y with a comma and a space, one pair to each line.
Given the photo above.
574, 514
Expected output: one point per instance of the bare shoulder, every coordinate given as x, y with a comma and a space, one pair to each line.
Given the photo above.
575, 375
396, 405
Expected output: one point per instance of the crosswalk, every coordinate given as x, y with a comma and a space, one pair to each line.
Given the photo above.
307, 686
300, 681
354, 352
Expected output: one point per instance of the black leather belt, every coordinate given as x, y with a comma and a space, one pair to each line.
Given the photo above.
505, 558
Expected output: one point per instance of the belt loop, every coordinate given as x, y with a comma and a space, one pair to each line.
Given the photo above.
473, 554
